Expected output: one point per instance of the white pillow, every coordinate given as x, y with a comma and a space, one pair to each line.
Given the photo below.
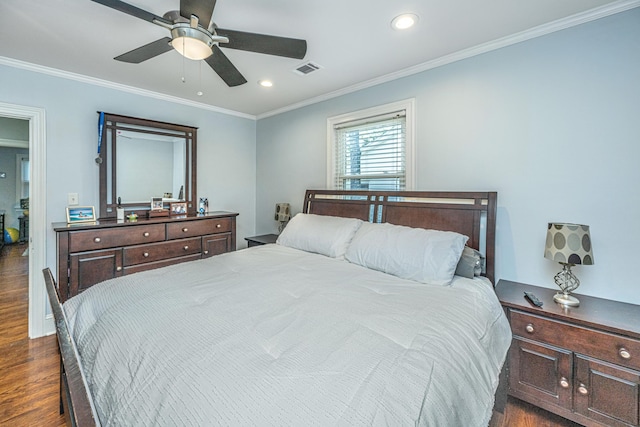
321, 234
426, 256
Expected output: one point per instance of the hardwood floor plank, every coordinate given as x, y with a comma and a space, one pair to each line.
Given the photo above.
30, 380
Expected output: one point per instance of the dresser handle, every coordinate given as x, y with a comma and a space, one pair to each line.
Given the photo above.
145, 234
206, 252
118, 268
529, 328
624, 353
564, 383
583, 389
185, 229
146, 254
218, 225
97, 240
186, 247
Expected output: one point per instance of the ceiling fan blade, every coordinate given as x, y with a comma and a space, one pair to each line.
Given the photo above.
203, 9
225, 69
147, 51
132, 10
262, 43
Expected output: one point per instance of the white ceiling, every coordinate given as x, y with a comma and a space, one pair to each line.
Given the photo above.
351, 39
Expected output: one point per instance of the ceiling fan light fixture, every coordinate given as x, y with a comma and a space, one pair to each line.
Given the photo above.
192, 43
404, 21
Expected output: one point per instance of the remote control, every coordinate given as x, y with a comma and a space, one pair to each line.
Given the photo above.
533, 299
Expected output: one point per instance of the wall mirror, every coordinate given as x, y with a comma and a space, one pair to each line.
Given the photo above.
141, 159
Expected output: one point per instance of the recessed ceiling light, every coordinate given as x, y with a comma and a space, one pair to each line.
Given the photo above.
404, 21
265, 83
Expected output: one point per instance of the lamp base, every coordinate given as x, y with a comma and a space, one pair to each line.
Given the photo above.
566, 299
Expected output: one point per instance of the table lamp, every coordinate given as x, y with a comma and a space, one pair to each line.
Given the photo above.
283, 215
568, 244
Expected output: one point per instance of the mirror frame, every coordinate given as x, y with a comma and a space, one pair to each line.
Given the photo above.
115, 122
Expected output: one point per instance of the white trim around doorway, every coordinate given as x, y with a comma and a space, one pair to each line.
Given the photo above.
40, 323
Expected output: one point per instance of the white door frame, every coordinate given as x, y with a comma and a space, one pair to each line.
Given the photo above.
40, 323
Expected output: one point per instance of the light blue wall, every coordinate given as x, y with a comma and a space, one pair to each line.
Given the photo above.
552, 124
226, 143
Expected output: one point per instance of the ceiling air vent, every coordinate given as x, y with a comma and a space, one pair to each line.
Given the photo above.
307, 68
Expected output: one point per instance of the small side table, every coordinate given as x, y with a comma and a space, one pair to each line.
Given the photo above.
264, 239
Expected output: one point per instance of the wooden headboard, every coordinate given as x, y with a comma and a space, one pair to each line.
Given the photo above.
470, 213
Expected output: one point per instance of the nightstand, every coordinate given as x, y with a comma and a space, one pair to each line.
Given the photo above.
582, 363
261, 240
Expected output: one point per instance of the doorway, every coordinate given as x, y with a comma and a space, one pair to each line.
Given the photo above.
40, 320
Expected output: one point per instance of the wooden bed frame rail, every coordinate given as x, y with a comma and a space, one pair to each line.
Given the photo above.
461, 212
75, 401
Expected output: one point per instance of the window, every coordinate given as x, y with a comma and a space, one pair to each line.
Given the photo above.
372, 149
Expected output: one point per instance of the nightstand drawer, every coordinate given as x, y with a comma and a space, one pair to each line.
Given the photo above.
608, 347
198, 228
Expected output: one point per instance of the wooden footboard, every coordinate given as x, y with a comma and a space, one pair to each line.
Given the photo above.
75, 399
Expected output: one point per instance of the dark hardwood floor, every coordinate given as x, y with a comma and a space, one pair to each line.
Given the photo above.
29, 369
29, 379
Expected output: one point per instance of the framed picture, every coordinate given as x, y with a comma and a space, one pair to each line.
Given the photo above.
178, 208
156, 204
80, 214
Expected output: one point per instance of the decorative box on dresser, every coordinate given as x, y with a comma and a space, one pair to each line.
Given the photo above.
582, 363
89, 253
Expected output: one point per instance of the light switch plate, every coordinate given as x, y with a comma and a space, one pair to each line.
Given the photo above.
72, 199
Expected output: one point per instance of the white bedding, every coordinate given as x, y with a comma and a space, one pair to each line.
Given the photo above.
275, 336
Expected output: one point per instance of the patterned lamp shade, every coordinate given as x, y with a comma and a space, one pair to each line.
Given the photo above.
569, 244
283, 212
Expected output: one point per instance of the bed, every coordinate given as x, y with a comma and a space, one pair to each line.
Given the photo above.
326, 327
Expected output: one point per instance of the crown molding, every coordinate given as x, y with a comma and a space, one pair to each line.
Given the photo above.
539, 31
117, 86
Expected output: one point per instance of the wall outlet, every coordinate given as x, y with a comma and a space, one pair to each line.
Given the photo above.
72, 199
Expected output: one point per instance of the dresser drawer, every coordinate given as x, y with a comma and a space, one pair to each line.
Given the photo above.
609, 347
179, 230
158, 251
88, 240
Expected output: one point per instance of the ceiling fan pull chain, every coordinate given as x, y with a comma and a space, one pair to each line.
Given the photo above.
200, 93
183, 79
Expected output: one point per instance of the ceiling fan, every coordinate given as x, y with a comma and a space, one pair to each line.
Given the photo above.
195, 36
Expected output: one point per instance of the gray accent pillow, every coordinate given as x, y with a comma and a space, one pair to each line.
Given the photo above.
472, 263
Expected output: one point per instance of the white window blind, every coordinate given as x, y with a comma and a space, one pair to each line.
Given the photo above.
370, 153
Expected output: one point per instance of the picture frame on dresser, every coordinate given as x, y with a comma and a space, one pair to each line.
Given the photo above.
79, 214
178, 208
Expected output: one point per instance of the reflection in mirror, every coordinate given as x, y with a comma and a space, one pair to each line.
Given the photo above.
142, 159
149, 166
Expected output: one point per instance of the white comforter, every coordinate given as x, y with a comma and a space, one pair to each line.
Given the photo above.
276, 336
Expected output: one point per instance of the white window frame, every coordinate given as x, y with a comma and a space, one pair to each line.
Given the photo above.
408, 105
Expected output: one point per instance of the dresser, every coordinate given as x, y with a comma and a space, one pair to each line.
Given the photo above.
582, 363
89, 253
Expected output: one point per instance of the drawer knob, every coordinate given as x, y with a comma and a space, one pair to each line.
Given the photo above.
97, 240
583, 389
145, 234
146, 254
185, 229
218, 225
564, 383
206, 252
529, 328
186, 247
624, 353
118, 268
